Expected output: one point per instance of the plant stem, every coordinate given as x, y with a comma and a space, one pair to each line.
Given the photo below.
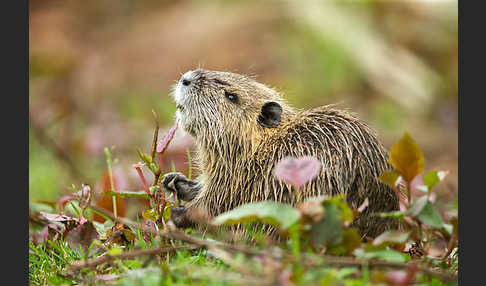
156, 136
110, 173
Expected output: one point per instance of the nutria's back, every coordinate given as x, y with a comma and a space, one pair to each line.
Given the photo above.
243, 128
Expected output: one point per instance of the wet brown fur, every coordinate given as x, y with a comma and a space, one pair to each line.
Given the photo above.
237, 156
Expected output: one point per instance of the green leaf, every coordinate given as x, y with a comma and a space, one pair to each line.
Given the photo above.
350, 241
448, 227
153, 167
430, 216
36, 207
131, 264
168, 211
329, 230
407, 158
417, 206
393, 214
382, 254
433, 177
390, 178
277, 214
115, 250
391, 237
339, 201
146, 158
133, 194
150, 214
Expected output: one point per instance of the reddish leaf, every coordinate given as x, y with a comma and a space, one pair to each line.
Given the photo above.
83, 235
44, 234
297, 171
162, 145
398, 277
138, 167
418, 188
284, 277
64, 200
402, 278
41, 236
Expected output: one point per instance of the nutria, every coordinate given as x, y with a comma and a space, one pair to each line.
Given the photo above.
242, 129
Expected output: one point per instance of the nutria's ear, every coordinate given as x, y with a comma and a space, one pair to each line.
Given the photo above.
270, 115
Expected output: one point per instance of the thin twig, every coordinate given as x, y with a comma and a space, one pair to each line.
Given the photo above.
76, 265
310, 259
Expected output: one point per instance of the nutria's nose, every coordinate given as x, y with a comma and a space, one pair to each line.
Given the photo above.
189, 77
186, 82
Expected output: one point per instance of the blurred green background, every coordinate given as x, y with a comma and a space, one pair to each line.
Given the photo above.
98, 68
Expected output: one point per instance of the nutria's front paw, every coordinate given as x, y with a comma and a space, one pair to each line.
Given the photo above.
185, 189
170, 179
179, 217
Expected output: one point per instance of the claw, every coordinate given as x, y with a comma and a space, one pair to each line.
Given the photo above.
171, 185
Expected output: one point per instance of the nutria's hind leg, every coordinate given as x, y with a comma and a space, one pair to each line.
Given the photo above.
185, 189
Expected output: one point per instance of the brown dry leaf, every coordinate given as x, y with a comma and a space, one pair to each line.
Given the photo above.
119, 234
407, 158
390, 178
60, 222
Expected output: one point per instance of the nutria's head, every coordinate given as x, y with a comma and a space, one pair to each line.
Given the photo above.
222, 104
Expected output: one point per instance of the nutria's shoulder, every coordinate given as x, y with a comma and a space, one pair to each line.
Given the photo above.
321, 122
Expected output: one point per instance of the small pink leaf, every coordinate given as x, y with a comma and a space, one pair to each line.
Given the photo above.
419, 187
162, 145
297, 171
403, 205
138, 165
364, 205
399, 277
284, 277
106, 277
57, 217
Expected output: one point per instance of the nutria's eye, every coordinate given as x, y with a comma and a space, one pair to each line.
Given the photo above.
231, 96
